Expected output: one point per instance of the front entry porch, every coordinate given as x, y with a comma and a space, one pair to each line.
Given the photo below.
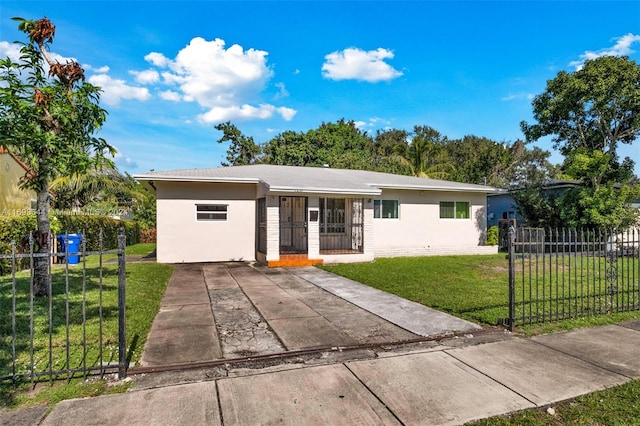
310, 230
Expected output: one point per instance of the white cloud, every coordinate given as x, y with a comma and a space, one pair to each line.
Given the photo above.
376, 121
622, 47
357, 64
114, 90
263, 111
157, 59
373, 123
102, 70
170, 95
226, 81
287, 113
516, 96
211, 74
282, 93
124, 161
146, 77
10, 50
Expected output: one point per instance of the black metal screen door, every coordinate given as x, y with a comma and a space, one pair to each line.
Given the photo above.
293, 225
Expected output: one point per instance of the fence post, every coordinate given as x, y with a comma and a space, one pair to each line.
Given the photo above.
122, 307
512, 276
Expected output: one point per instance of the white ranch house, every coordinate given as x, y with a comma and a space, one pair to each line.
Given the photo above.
290, 216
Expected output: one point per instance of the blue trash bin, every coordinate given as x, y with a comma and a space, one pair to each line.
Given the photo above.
71, 246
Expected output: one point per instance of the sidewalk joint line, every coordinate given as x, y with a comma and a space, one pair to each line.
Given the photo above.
583, 360
219, 403
446, 351
374, 394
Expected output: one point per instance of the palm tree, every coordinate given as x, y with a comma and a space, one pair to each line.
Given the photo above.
426, 155
77, 190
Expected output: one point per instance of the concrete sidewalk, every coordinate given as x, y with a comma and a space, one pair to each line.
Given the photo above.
434, 385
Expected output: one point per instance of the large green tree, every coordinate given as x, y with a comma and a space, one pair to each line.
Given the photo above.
480, 160
243, 150
389, 148
589, 113
49, 121
340, 145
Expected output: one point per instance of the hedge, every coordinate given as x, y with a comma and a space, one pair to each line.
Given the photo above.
90, 226
16, 228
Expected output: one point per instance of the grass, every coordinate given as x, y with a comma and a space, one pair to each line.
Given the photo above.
470, 287
146, 283
140, 249
476, 288
619, 405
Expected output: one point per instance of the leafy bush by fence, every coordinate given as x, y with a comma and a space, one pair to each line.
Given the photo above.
90, 226
492, 236
17, 227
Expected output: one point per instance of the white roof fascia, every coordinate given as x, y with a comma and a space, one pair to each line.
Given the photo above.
373, 191
197, 179
435, 188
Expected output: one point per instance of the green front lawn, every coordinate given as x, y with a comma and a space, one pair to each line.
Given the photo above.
471, 287
145, 286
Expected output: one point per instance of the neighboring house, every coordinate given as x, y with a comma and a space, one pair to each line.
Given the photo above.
13, 199
501, 205
287, 216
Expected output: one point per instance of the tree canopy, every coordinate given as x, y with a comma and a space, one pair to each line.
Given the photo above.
423, 151
49, 120
588, 113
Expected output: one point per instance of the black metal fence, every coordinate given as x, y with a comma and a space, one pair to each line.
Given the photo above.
557, 274
77, 328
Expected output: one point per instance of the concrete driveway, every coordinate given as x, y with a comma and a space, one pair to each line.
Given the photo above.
234, 310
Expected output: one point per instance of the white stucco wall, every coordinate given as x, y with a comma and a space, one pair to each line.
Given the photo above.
181, 238
419, 230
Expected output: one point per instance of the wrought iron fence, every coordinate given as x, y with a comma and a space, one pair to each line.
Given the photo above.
558, 274
77, 328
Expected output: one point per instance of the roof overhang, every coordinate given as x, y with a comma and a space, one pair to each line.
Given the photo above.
161, 178
336, 191
487, 190
374, 190
149, 181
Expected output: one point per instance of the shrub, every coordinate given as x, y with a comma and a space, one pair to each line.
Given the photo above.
492, 236
17, 228
90, 226
148, 235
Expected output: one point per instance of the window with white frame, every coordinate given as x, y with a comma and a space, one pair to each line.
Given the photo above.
211, 211
454, 210
385, 209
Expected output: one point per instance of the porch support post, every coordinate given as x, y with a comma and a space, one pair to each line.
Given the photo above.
273, 227
313, 228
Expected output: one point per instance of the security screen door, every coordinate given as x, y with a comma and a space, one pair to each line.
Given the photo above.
293, 225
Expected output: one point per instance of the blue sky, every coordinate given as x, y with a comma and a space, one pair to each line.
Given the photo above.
171, 70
